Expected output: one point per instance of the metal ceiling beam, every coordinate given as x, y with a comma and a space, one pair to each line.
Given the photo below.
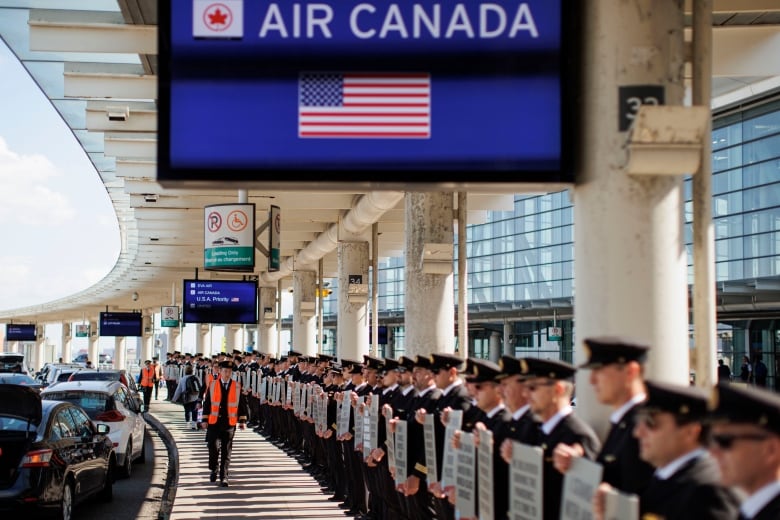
85, 31
108, 80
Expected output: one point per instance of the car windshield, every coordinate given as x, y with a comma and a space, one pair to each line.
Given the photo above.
93, 403
64, 376
17, 379
11, 363
95, 376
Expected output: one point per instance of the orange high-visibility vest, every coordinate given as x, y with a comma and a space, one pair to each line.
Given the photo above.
211, 377
147, 376
216, 398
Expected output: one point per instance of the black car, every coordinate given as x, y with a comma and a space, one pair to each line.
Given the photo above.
52, 456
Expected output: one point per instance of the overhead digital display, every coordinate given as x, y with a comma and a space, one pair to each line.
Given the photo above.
211, 301
129, 324
20, 332
431, 92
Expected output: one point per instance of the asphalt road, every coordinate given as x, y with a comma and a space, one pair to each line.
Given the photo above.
137, 496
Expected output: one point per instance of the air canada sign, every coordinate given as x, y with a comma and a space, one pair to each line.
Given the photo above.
415, 21
381, 93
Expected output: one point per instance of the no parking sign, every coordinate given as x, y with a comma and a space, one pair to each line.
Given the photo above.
229, 234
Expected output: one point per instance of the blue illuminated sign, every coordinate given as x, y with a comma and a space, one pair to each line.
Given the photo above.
349, 90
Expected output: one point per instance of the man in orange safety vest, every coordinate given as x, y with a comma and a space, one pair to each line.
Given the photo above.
224, 407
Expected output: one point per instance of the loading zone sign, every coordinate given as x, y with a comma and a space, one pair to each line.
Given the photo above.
229, 234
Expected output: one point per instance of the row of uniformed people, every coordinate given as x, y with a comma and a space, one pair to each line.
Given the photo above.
655, 448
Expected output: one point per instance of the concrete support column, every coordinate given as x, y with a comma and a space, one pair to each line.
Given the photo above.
120, 353
203, 339
630, 271
67, 342
234, 336
494, 346
509, 344
430, 308
230, 339
266, 326
148, 348
304, 332
40, 352
352, 331
174, 341
93, 353
148, 339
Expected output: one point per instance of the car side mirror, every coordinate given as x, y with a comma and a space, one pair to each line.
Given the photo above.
103, 429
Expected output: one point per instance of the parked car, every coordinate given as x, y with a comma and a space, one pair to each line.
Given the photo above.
53, 455
123, 376
103, 359
12, 362
20, 379
109, 402
50, 371
59, 375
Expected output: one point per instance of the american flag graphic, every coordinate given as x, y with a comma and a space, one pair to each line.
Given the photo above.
389, 105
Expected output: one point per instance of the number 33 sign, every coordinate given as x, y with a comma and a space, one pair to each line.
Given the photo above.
634, 96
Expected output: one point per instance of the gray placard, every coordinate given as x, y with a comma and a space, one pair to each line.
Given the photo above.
485, 475
620, 506
579, 486
390, 444
375, 418
358, 446
263, 389
525, 482
367, 420
344, 410
465, 457
400, 452
429, 433
448, 459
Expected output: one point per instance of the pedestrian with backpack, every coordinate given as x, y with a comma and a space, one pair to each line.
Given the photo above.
188, 394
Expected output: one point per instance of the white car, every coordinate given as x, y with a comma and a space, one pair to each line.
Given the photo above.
108, 402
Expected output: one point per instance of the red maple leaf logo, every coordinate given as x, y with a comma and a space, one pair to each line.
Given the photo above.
217, 17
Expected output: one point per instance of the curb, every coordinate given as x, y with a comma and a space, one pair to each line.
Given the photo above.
172, 477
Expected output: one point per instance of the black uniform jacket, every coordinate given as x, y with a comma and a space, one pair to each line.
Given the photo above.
693, 491
623, 469
570, 430
771, 511
416, 439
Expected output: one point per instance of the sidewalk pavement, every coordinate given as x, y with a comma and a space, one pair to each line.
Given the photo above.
264, 481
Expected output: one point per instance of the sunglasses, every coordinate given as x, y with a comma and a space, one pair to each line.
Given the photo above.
648, 419
725, 441
532, 387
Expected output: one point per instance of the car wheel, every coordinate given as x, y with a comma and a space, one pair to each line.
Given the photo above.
66, 502
107, 494
142, 458
127, 467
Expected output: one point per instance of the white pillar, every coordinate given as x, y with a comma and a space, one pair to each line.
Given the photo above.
174, 341
40, 351
494, 346
509, 345
429, 317
234, 338
120, 353
67, 341
630, 271
352, 340
266, 326
94, 345
304, 331
203, 339
147, 339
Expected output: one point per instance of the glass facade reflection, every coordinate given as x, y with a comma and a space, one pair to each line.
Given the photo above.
527, 255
